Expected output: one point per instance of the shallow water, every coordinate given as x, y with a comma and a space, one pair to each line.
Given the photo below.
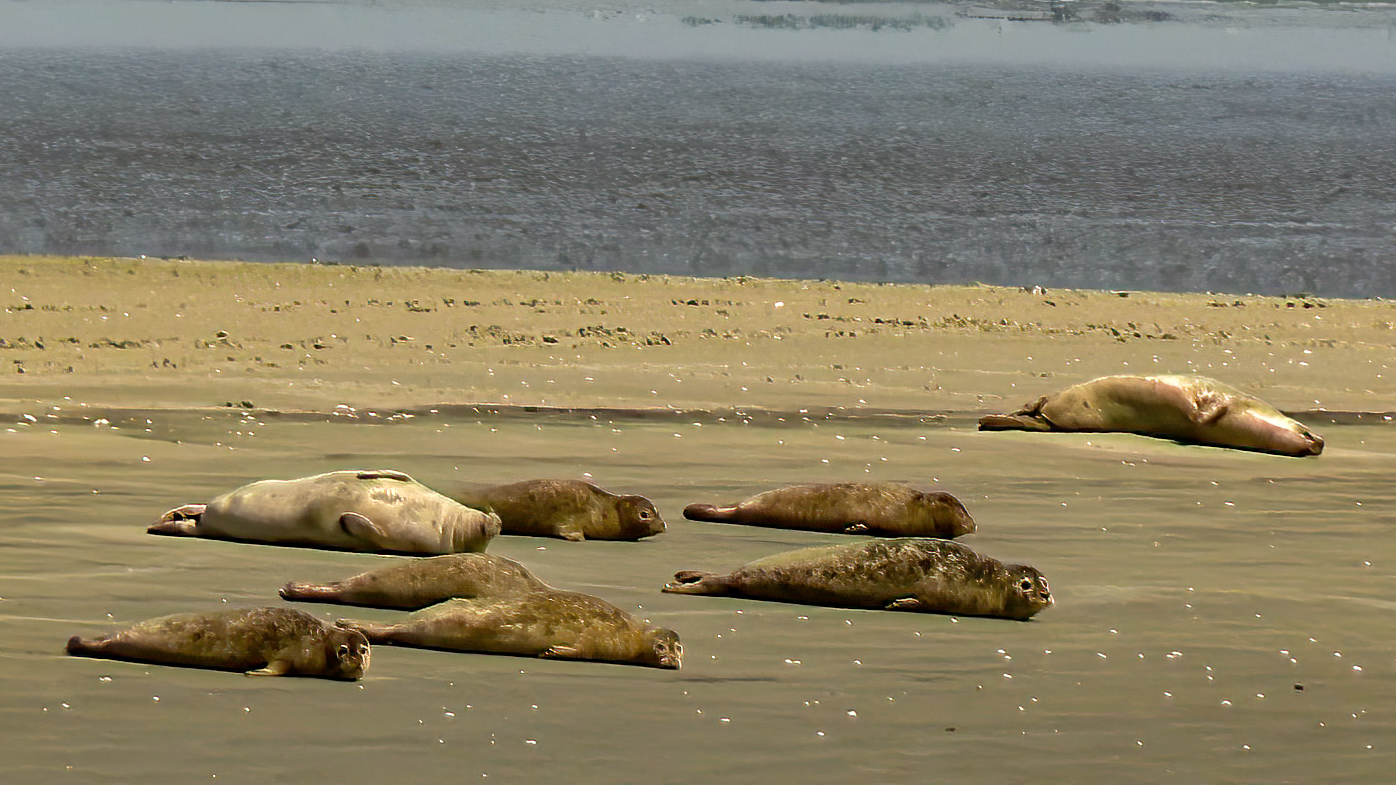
1228, 148
1198, 590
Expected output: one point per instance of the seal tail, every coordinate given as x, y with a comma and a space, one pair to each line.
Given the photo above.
1012, 422
709, 512
694, 582
309, 592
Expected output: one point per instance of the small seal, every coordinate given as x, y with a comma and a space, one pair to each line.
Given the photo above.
570, 509
417, 583
906, 574
546, 623
883, 509
256, 641
1186, 408
374, 511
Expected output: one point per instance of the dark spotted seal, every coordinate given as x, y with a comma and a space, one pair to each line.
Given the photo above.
1185, 408
374, 511
907, 574
417, 583
547, 623
257, 641
884, 509
570, 509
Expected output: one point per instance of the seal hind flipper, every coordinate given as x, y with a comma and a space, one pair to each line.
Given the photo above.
708, 512
385, 474
79, 647
905, 604
694, 582
308, 592
1014, 422
182, 521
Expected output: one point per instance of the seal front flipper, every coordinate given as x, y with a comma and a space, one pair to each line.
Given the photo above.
857, 528
180, 522
561, 653
273, 668
384, 474
694, 582
360, 526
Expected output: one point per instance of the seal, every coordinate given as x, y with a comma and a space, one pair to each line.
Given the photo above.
417, 583
884, 509
571, 509
1185, 408
374, 511
905, 574
256, 641
546, 623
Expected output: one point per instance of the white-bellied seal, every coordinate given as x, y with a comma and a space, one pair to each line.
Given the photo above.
546, 623
1185, 408
256, 641
571, 509
374, 511
906, 574
885, 509
417, 583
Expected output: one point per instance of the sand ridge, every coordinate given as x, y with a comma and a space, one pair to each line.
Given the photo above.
177, 334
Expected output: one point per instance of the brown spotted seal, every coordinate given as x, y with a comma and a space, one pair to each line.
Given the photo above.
570, 509
374, 511
257, 641
546, 623
1185, 408
906, 574
884, 509
417, 583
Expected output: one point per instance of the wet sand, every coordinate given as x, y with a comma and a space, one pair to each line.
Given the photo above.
1220, 614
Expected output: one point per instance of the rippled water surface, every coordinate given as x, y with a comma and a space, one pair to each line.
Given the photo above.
1220, 615
1185, 146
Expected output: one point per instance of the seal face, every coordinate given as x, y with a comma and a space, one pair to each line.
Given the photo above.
1186, 408
884, 509
569, 509
904, 574
374, 511
256, 641
543, 623
417, 583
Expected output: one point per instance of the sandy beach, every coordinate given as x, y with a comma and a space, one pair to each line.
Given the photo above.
150, 333
1220, 615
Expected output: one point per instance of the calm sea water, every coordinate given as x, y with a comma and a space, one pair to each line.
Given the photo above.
1186, 147
1221, 616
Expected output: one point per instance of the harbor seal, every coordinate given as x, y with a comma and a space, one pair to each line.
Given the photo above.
571, 509
256, 641
884, 509
1185, 408
417, 583
906, 574
546, 623
374, 511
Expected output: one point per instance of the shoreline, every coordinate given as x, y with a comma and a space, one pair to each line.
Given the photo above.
174, 334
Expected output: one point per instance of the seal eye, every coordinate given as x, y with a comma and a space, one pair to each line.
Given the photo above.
645, 515
1025, 584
